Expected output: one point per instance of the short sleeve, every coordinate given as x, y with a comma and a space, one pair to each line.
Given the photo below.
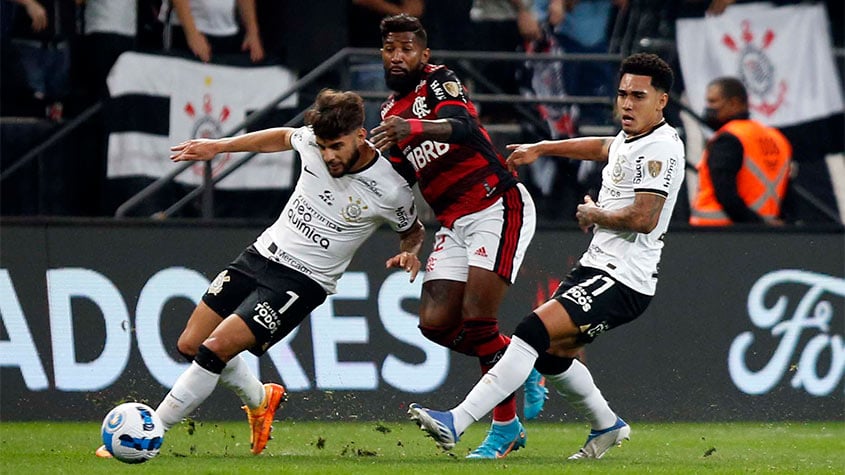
655, 168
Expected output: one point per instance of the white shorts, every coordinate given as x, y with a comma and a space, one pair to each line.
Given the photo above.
494, 238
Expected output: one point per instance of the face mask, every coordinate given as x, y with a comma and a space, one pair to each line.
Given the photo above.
711, 118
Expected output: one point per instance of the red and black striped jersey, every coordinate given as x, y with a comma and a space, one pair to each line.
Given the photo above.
455, 179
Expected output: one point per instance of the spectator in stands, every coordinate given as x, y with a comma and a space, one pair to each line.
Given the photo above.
745, 168
502, 25
206, 27
582, 26
40, 51
109, 30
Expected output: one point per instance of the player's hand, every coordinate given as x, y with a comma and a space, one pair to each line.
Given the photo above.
522, 154
405, 260
586, 213
390, 132
196, 150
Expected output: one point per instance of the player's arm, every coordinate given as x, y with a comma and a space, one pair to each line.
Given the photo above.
641, 216
265, 141
454, 122
410, 243
581, 148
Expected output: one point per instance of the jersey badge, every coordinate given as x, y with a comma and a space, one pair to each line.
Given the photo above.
352, 212
617, 174
217, 284
452, 88
654, 168
419, 108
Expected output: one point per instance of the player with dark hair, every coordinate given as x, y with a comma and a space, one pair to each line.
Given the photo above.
294, 264
615, 278
431, 129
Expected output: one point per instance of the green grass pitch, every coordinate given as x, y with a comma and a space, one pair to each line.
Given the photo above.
400, 448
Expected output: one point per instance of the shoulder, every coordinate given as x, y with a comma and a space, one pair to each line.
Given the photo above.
664, 142
302, 137
444, 82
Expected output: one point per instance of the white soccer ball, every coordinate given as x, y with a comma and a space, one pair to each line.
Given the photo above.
132, 432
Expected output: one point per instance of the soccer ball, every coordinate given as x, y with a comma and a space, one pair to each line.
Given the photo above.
132, 432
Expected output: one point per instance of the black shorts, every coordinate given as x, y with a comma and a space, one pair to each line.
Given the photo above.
271, 298
597, 302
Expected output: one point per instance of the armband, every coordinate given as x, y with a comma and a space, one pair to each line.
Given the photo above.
416, 126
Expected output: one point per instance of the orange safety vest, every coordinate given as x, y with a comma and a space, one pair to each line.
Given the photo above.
761, 182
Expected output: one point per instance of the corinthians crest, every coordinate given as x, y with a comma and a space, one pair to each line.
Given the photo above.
217, 284
756, 69
352, 212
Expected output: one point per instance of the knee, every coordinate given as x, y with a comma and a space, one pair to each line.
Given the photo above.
531, 330
209, 360
448, 336
187, 349
551, 364
451, 336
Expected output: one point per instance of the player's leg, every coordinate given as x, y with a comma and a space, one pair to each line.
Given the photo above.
283, 298
530, 339
197, 382
611, 304
497, 239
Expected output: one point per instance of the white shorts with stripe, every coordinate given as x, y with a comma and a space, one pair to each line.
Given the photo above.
494, 239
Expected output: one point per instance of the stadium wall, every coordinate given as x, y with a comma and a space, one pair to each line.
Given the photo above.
747, 325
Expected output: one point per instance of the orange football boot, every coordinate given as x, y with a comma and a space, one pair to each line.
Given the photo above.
261, 418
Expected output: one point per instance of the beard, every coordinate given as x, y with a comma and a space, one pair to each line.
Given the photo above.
403, 83
345, 167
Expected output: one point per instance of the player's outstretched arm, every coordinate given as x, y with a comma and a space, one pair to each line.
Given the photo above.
410, 243
268, 140
581, 148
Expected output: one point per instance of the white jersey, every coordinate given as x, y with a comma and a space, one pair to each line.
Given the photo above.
327, 219
650, 163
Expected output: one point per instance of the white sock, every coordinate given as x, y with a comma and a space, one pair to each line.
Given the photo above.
189, 391
577, 386
237, 377
504, 378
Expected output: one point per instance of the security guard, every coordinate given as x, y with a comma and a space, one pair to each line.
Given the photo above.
744, 172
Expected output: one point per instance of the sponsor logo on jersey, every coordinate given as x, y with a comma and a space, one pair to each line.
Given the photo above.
217, 284
309, 171
438, 90
301, 215
670, 171
371, 185
387, 106
481, 251
327, 197
638, 170
353, 211
401, 217
425, 152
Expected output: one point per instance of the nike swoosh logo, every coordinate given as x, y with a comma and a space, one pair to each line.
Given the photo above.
309, 171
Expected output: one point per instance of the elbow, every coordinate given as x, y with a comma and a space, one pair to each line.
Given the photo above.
644, 224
